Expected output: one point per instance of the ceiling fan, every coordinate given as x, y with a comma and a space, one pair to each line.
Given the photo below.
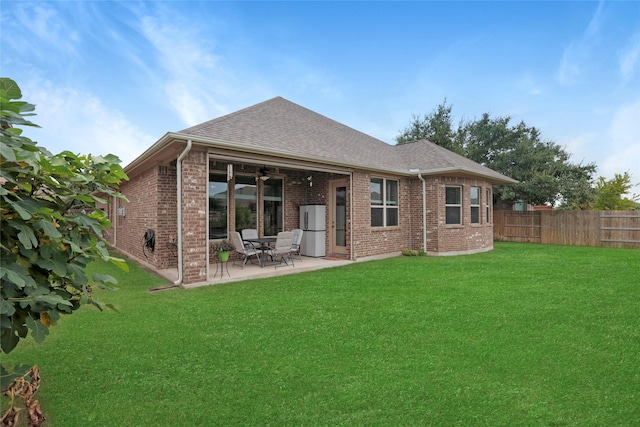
264, 174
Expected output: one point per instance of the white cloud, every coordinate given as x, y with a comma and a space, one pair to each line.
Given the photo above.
79, 122
528, 85
624, 143
202, 80
51, 29
196, 82
630, 57
578, 146
579, 51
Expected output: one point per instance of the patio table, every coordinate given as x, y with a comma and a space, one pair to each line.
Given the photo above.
264, 243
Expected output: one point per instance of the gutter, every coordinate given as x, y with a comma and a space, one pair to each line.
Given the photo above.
315, 162
424, 212
351, 254
115, 221
179, 197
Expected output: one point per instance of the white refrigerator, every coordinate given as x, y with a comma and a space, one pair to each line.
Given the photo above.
313, 219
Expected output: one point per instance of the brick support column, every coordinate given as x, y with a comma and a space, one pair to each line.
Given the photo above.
194, 221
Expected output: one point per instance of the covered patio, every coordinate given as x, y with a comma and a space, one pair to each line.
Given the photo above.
250, 271
277, 166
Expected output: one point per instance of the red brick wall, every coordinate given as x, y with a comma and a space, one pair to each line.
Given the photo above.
152, 204
367, 240
441, 238
194, 217
167, 230
140, 213
458, 238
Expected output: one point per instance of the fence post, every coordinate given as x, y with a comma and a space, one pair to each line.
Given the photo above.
599, 239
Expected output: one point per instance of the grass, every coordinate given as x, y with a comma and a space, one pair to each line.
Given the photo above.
522, 335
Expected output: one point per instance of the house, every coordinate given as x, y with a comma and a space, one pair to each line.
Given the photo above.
254, 169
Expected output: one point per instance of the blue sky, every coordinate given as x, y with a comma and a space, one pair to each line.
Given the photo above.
113, 77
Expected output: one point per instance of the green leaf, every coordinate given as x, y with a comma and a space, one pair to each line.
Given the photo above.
7, 377
51, 299
21, 211
38, 330
7, 152
9, 338
122, 264
104, 278
12, 276
6, 308
77, 273
47, 228
111, 307
16, 274
25, 234
9, 89
58, 268
95, 303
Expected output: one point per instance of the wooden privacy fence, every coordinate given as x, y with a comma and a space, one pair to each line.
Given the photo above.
580, 228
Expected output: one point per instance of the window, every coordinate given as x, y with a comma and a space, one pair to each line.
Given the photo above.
453, 205
488, 201
384, 202
475, 205
246, 197
272, 206
217, 206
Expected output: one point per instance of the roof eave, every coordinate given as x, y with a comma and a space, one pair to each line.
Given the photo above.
171, 137
157, 147
500, 179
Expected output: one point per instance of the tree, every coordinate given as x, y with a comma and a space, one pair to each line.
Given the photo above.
609, 194
435, 127
542, 168
50, 230
50, 227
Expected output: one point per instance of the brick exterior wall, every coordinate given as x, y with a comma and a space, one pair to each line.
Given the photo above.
140, 213
152, 204
442, 239
167, 231
465, 238
367, 240
195, 237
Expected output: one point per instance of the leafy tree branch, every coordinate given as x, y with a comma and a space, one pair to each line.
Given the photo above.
50, 227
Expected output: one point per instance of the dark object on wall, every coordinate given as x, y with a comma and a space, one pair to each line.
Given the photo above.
149, 241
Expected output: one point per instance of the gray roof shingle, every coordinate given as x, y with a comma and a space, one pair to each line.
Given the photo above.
283, 126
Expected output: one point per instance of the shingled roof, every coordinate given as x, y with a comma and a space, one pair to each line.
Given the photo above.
285, 127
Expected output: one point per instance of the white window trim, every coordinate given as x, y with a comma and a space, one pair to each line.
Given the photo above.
488, 200
459, 206
384, 206
478, 205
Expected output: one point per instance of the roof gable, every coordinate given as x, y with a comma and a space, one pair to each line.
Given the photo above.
284, 126
290, 129
430, 158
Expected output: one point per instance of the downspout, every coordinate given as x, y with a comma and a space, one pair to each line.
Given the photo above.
115, 221
351, 256
179, 197
424, 213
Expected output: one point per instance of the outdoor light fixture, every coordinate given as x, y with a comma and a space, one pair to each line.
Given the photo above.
264, 174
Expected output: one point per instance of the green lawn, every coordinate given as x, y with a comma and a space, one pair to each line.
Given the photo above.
523, 335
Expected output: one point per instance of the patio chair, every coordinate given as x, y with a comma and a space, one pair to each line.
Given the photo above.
241, 249
297, 239
250, 233
282, 250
